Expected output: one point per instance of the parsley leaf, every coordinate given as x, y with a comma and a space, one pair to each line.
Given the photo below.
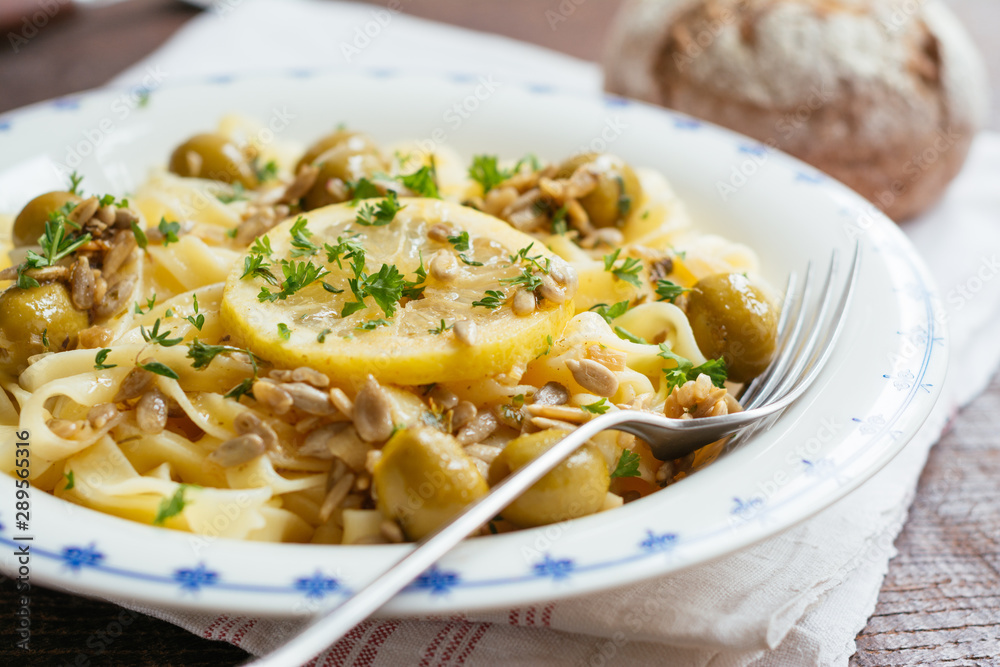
154, 366
492, 300
199, 321
371, 325
301, 245
321, 336
345, 249
597, 408
202, 354
70, 478
238, 194
262, 245
440, 329
423, 181
74, 183
627, 271
628, 465
155, 337
45, 336
266, 173
462, 244
611, 312
484, 171
381, 215
255, 266
386, 287
362, 189
548, 347
297, 276
140, 236
685, 370
283, 331
667, 290
629, 336
100, 358
169, 231
56, 243
150, 303
559, 225
171, 507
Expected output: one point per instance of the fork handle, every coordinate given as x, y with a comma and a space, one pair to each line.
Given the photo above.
327, 629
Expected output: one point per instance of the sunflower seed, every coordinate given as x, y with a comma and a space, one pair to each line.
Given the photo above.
237, 451
373, 412
593, 377
151, 412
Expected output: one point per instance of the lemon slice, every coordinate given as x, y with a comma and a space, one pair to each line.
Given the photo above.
407, 345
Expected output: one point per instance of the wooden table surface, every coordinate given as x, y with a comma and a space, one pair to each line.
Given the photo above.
939, 604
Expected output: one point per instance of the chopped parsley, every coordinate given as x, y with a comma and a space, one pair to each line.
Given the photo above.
529, 280
156, 367
256, 266
150, 303
371, 325
611, 312
362, 189
140, 236
484, 171
559, 221
596, 408
74, 183
462, 244
171, 507
100, 358
685, 370
380, 215
548, 347
283, 331
629, 336
628, 270
628, 465
667, 290
198, 319
268, 172
238, 194
440, 329
331, 289
301, 245
262, 245
203, 354
45, 336
70, 478
156, 337
492, 300
345, 249
423, 181
169, 231
57, 242
297, 276
321, 336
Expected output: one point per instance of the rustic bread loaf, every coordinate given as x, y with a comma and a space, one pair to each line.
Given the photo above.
884, 95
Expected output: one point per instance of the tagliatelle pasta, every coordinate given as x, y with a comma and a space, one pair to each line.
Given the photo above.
349, 344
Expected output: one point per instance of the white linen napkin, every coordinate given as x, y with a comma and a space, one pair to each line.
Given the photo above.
798, 598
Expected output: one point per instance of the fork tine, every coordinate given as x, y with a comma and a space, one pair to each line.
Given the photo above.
792, 301
784, 356
822, 355
802, 355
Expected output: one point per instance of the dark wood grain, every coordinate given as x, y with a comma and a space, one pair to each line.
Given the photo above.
940, 603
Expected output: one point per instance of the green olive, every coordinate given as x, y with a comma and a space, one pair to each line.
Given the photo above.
357, 141
424, 479
216, 157
27, 314
618, 191
30, 222
735, 320
346, 163
576, 487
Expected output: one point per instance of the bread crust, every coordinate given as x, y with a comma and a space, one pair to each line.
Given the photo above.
885, 100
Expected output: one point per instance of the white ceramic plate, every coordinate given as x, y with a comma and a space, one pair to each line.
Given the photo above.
876, 392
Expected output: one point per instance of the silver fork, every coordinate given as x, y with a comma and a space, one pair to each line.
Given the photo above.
797, 364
